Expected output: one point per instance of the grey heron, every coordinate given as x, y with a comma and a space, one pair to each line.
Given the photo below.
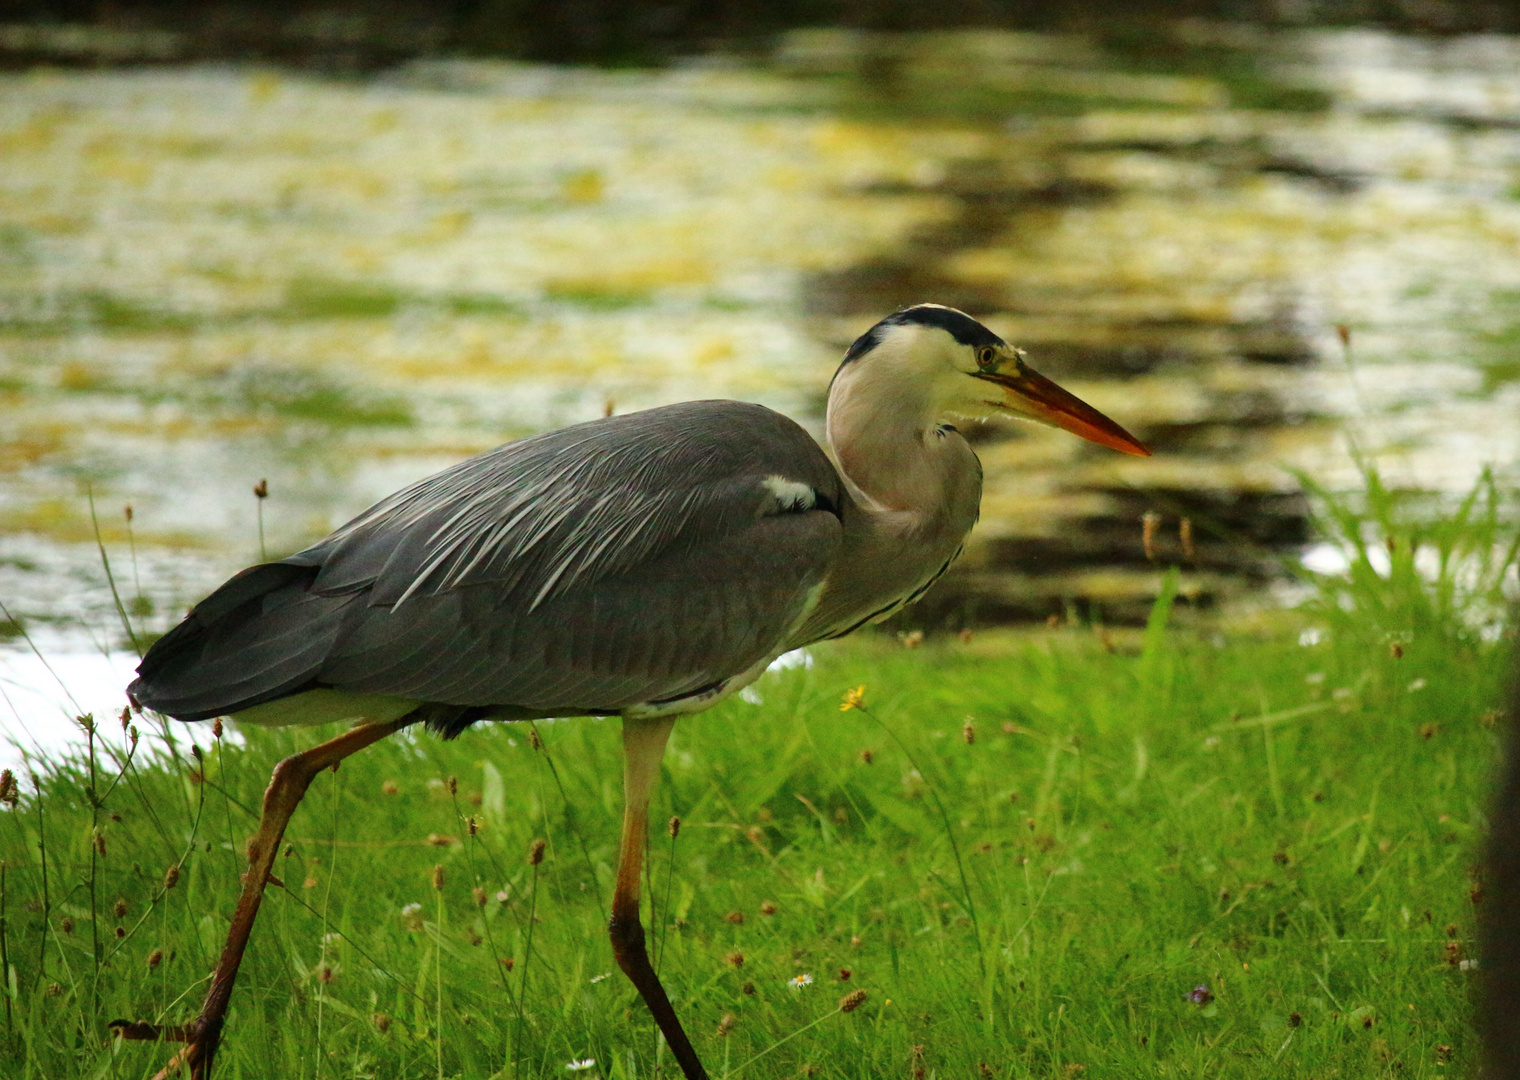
645, 566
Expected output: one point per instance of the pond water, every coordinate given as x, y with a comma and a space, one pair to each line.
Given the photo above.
216, 275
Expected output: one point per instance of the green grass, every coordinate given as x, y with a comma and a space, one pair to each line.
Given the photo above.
1293, 826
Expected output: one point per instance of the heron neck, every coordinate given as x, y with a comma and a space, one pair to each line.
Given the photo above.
882, 433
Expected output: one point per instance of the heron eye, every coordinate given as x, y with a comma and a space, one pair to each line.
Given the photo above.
986, 357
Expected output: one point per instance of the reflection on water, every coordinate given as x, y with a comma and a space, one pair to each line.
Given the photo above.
213, 275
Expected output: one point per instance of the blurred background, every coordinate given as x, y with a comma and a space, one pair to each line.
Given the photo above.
336, 247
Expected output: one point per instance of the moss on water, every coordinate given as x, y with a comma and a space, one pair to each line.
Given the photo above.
596, 297
326, 298
301, 395
85, 310
305, 299
1243, 72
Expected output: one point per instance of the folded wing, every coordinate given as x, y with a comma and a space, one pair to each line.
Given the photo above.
628, 560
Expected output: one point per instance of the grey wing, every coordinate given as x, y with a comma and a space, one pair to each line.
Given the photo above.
636, 559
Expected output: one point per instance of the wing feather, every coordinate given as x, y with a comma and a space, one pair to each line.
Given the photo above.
626, 560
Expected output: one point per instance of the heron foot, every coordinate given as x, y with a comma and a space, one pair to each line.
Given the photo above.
200, 1044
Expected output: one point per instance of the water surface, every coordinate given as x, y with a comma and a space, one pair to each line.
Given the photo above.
214, 275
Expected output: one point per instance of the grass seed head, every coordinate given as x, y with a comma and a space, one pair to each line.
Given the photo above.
844, 974
767, 907
121, 932
968, 731
100, 844
452, 783
735, 917
734, 959
866, 757
171, 876
1150, 521
478, 894
119, 909
382, 1022
155, 958
533, 739
673, 826
389, 787
66, 924
10, 792
261, 490
747, 988
507, 962
726, 1024
216, 728
1185, 534
438, 877
536, 851
852, 1001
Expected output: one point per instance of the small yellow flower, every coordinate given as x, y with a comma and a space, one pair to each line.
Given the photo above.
853, 698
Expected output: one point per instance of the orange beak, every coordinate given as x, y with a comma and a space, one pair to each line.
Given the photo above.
1033, 395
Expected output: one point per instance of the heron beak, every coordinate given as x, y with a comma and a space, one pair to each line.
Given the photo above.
1031, 394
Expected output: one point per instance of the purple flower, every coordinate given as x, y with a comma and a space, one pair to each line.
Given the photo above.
1200, 995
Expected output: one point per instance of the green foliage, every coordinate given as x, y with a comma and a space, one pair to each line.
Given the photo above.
1288, 825
1417, 573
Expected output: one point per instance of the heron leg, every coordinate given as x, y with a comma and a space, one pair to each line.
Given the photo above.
643, 748
287, 785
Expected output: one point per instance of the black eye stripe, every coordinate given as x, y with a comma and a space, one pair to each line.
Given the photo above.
957, 324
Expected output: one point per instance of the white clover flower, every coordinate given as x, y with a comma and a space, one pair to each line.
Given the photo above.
581, 1065
797, 982
411, 909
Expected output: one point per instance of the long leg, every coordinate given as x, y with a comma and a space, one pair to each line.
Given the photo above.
286, 787
643, 747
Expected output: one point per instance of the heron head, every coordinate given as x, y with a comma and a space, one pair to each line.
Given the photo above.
972, 372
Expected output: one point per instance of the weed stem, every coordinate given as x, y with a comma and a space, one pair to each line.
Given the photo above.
955, 848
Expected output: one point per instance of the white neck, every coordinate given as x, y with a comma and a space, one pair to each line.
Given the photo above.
881, 427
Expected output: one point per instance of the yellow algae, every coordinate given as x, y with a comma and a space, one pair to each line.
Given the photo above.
263, 86
75, 376
584, 186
